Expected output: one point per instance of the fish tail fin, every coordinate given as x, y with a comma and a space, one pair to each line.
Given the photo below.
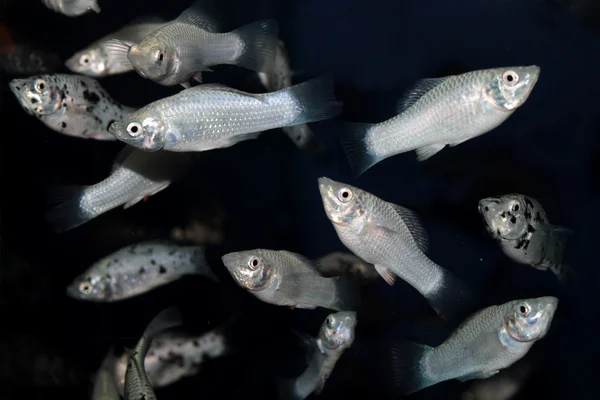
452, 300
405, 359
286, 389
564, 273
354, 142
200, 264
315, 99
347, 295
166, 319
260, 45
68, 213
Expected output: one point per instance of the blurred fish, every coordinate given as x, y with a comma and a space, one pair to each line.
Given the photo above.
187, 46
502, 386
73, 105
335, 336
289, 279
392, 238
214, 116
105, 387
520, 225
439, 112
490, 340
27, 60
280, 77
72, 8
173, 356
95, 60
135, 176
137, 386
339, 263
137, 269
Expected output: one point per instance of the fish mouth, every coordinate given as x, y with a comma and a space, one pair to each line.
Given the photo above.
232, 262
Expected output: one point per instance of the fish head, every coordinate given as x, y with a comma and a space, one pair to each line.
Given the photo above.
140, 129
530, 319
37, 95
90, 62
337, 332
152, 59
343, 203
250, 269
91, 287
509, 88
505, 216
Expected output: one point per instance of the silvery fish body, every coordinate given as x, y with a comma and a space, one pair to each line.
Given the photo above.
72, 8
289, 279
96, 61
73, 105
207, 117
135, 176
335, 336
391, 238
442, 111
521, 227
137, 269
487, 342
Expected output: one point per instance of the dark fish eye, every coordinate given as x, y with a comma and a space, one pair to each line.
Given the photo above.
345, 195
524, 309
510, 78
134, 129
513, 219
516, 207
160, 56
253, 263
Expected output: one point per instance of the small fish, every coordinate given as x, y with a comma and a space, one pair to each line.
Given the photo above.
439, 112
280, 77
137, 269
520, 225
487, 342
137, 386
339, 263
72, 8
73, 105
96, 61
335, 336
392, 238
214, 116
135, 176
27, 60
105, 387
289, 279
187, 46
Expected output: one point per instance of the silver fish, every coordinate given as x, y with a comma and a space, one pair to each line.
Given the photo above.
182, 49
137, 386
335, 336
72, 8
73, 105
213, 116
137, 269
439, 112
289, 279
280, 77
521, 226
96, 61
135, 176
105, 387
487, 342
392, 238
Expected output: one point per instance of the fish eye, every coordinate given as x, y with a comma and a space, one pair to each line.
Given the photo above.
159, 56
85, 59
85, 287
524, 310
253, 263
515, 207
330, 322
345, 195
134, 129
40, 85
510, 78
513, 220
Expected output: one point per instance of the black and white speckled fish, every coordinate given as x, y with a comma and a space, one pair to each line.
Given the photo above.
137, 269
72, 8
73, 105
520, 225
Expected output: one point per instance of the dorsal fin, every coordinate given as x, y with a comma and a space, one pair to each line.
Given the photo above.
224, 88
413, 223
196, 15
418, 90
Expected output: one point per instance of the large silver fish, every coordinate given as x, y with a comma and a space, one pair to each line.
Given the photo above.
213, 116
391, 238
521, 227
135, 176
72, 8
95, 60
335, 336
289, 279
182, 49
439, 112
137, 269
73, 105
487, 342
137, 385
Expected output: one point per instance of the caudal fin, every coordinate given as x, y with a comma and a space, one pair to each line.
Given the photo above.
407, 374
354, 141
260, 45
453, 301
286, 389
315, 99
347, 294
166, 319
200, 263
68, 214
564, 273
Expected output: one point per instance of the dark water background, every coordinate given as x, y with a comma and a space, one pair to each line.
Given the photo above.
267, 189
